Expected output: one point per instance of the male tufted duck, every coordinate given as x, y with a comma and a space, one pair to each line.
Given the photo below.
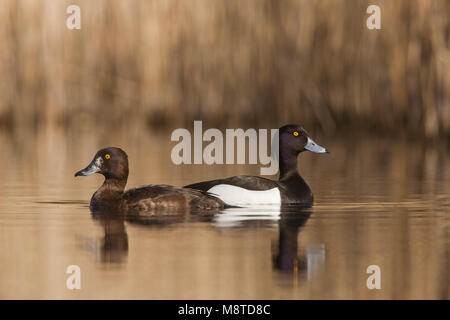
112, 163
290, 187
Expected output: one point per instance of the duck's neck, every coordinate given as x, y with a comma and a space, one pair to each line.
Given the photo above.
114, 184
288, 163
109, 194
111, 189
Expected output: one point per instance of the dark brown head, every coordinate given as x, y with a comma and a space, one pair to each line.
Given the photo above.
111, 162
294, 139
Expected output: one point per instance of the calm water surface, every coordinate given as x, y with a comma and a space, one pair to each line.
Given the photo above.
377, 202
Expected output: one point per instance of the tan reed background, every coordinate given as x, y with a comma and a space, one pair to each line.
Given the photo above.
231, 63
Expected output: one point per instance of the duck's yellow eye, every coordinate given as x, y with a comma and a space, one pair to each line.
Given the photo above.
107, 156
295, 133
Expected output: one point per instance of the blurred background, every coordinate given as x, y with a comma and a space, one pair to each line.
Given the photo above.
378, 99
230, 63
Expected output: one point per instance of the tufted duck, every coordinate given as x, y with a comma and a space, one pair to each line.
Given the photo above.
251, 190
112, 163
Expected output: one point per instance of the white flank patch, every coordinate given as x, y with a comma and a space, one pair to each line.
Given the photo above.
237, 196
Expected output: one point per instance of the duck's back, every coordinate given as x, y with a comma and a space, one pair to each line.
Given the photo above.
169, 199
245, 182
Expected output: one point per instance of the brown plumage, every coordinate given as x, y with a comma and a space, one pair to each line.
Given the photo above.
150, 200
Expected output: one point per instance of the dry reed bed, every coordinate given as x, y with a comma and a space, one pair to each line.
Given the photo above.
255, 62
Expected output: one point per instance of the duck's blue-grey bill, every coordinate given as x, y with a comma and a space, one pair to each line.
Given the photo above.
314, 147
90, 169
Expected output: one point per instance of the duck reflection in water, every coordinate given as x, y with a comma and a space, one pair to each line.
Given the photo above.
285, 250
114, 247
287, 257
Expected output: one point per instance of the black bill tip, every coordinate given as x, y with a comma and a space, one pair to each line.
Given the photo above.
90, 169
79, 173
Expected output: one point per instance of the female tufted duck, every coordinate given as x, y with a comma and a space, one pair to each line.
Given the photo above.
112, 163
290, 187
